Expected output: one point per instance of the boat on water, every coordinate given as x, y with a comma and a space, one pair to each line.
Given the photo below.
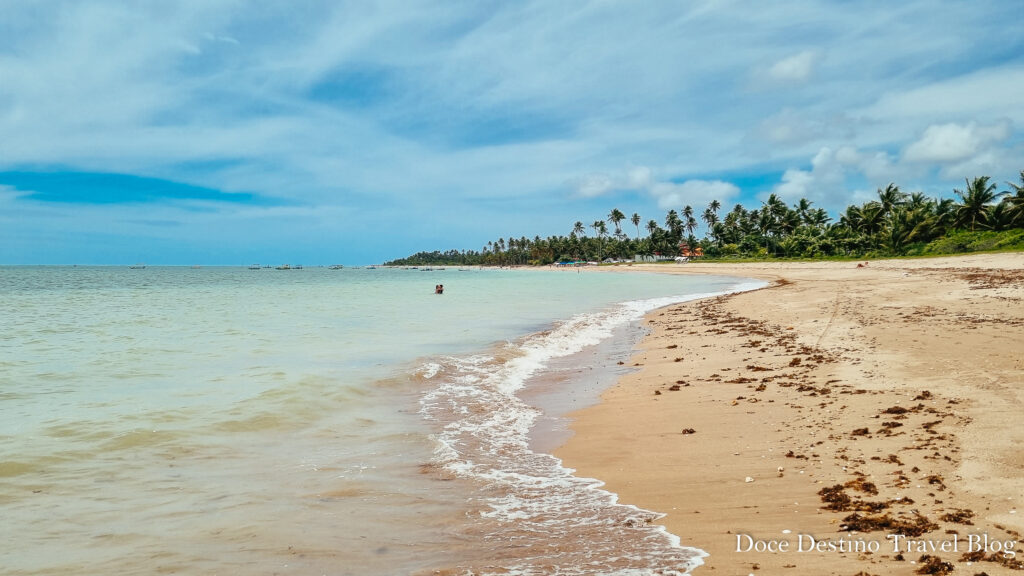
137, 266
336, 267
284, 267
254, 267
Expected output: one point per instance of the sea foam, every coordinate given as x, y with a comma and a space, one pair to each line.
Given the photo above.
536, 514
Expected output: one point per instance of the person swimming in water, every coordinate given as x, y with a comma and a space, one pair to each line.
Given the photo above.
439, 289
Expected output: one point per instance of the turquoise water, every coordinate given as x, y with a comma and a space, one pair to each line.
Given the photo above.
225, 420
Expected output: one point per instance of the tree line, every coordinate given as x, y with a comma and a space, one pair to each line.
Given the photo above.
894, 224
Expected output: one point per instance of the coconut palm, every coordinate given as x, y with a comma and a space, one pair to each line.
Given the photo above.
789, 221
689, 222
687, 219
1000, 216
972, 210
714, 206
872, 217
616, 217
579, 229
687, 212
601, 229
673, 224
803, 209
652, 227
851, 218
890, 198
709, 217
1014, 198
917, 200
775, 205
635, 219
818, 218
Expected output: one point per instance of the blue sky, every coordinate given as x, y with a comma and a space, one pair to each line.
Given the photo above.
232, 132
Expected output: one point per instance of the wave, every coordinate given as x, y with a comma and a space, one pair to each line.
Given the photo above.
532, 513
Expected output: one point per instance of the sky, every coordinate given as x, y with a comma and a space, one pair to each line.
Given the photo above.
221, 132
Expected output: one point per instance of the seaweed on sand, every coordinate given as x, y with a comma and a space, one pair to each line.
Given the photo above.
914, 526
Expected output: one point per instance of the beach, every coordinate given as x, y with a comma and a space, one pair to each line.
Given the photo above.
851, 418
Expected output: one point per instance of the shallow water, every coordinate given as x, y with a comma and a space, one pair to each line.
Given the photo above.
225, 420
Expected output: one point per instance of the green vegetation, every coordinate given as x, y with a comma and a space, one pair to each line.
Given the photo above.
896, 224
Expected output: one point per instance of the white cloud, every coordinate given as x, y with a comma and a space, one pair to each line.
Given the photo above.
823, 182
947, 143
795, 68
789, 126
696, 193
593, 185
667, 194
795, 184
639, 178
828, 182
986, 94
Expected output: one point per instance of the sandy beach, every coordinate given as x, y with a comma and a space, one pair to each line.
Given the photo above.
844, 420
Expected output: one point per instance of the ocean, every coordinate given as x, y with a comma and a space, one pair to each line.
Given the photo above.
174, 420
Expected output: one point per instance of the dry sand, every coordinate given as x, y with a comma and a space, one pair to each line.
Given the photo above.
841, 402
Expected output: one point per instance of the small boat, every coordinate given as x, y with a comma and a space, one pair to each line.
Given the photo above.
285, 267
336, 267
137, 267
254, 267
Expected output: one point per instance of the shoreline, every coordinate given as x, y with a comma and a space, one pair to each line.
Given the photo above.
851, 405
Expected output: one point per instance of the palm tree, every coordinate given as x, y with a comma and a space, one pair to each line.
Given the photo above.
898, 232
579, 229
872, 217
654, 237
851, 217
944, 215
689, 222
636, 222
789, 221
601, 230
1014, 198
709, 217
917, 200
673, 224
803, 209
1000, 216
890, 198
973, 207
687, 217
818, 218
616, 217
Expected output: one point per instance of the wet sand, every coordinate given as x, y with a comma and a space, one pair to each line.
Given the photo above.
867, 408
